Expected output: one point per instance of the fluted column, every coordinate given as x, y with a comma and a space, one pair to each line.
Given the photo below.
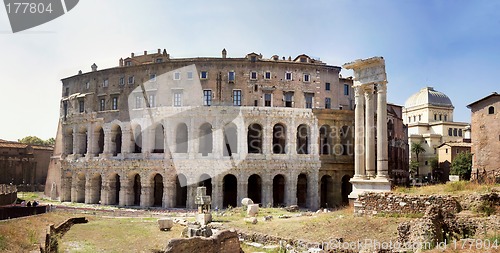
359, 145
369, 132
382, 155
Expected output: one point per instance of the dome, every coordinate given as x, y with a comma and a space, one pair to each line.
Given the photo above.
429, 96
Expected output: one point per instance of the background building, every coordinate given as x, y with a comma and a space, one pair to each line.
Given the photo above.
398, 145
151, 130
429, 116
447, 153
485, 135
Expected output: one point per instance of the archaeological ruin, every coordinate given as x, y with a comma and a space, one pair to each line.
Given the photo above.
151, 130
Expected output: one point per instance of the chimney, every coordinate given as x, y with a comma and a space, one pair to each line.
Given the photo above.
121, 62
224, 53
79, 72
94, 67
145, 52
132, 55
159, 51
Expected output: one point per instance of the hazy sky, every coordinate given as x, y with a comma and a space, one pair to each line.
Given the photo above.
451, 45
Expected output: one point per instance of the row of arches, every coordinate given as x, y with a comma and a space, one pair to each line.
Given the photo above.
94, 191
331, 140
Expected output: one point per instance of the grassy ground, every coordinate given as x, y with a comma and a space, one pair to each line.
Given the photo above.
452, 188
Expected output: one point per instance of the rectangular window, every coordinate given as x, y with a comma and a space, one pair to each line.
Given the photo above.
131, 79
152, 100
307, 78
152, 78
122, 81
105, 83
177, 76
138, 102
203, 75
328, 103
178, 99
207, 97
114, 103
327, 86
81, 105
159, 60
309, 100
87, 85
128, 63
102, 104
190, 75
346, 89
237, 97
288, 99
267, 99
267, 75
230, 76
253, 75
288, 76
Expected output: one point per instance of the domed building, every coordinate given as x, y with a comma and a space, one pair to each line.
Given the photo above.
429, 116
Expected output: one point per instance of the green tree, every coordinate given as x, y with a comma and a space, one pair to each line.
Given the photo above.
417, 148
34, 140
462, 165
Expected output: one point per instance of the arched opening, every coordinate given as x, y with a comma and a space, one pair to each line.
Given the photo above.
327, 192
158, 190
117, 140
279, 139
181, 138
303, 139
302, 190
100, 141
254, 189
137, 139
181, 191
114, 189
325, 141
80, 188
82, 141
230, 191
346, 189
137, 190
230, 139
68, 141
159, 140
254, 139
279, 191
346, 140
491, 110
205, 139
206, 180
95, 189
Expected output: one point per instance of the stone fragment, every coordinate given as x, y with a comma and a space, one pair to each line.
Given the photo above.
251, 220
246, 201
253, 210
292, 208
165, 224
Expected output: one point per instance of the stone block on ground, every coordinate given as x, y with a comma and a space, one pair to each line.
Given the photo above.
204, 218
251, 220
246, 201
253, 210
165, 224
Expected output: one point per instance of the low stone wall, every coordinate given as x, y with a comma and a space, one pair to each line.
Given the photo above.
223, 242
8, 194
11, 212
55, 232
393, 203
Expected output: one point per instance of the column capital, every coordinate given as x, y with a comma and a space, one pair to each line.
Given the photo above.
382, 87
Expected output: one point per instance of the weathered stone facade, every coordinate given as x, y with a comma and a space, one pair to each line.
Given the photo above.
148, 132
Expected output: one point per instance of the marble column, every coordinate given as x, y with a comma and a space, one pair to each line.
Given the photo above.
359, 145
369, 132
382, 155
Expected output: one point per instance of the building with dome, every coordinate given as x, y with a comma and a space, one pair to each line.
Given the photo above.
429, 116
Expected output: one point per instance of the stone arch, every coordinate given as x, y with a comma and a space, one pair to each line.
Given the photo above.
137, 138
327, 192
95, 188
279, 139
206, 139
137, 188
302, 190
346, 140
254, 138
157, 190
68, 141
159, 139
116, 139
100, 140
230, 191
80, 188
303, 137
279, 190
230, 139
325, 140
346, 189
254, 188
82, 140
206, 180
181, 191
114, 187
181, 138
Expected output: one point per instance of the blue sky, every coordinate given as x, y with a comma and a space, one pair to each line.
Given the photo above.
453, 46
